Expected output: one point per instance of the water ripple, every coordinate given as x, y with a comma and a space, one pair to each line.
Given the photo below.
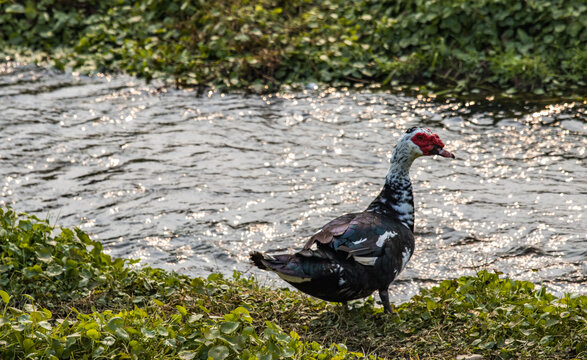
193, 183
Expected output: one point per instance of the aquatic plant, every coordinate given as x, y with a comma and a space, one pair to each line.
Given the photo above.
62, 297
535, 46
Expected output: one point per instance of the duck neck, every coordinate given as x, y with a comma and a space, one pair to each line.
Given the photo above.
396, 199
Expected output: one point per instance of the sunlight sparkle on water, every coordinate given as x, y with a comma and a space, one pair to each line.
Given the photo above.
193, 183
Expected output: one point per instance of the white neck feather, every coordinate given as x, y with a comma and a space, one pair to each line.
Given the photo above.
396, 197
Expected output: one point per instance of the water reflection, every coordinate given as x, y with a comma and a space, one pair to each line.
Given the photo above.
193, 183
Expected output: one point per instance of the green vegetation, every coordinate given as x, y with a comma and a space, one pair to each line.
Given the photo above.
62, 297
537, 46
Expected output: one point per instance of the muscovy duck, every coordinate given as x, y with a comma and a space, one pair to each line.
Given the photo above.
355, 254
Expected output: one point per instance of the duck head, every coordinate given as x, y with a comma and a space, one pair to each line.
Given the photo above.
416, 142
426, 142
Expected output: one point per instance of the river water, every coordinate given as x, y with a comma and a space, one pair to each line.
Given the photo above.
194, 182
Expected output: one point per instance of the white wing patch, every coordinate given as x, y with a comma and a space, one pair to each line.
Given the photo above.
360, 241
406, 254
293, 279
384, 237
366, 260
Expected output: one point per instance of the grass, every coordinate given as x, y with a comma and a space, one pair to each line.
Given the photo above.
64, 298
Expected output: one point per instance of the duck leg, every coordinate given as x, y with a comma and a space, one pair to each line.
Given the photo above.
384, 295
345, 307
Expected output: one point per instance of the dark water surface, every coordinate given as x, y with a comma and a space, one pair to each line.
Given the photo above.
193, 183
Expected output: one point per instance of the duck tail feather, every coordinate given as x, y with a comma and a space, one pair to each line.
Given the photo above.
284, 265
258, 259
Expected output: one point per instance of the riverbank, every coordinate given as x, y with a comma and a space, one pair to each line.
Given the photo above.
538, 47
62, 296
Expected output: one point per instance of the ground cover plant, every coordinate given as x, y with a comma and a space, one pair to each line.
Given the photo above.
63, 297
537, 46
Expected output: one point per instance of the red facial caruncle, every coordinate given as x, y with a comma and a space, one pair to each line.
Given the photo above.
430, 144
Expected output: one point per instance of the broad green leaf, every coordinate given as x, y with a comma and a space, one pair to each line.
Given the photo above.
546, 339
120, 332
93, 334
32, 271
229, 327
5, 297
28, 345
15, 9
54, 270
162, 331
18, 327
148, 333
44, 254
45, 325
186, 355
115, 323
99, 350
218, 352
108, 341
71, 340
195, 318
182, 310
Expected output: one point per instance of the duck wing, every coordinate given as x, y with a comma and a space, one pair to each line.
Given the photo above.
366, 237
355, 255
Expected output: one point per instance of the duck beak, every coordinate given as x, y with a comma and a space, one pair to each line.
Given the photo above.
440, 151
